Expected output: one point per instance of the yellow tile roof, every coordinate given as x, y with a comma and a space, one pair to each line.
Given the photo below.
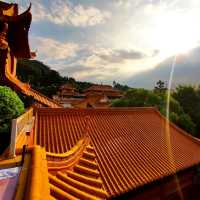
33, 181
118, 150
132, 147
82, 181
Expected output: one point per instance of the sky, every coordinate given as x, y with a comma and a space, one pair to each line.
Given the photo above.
107, 40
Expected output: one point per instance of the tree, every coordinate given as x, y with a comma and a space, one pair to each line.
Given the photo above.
142, 97
120, 103
160, 87
189, 98
10, 107
120, 87
186, 123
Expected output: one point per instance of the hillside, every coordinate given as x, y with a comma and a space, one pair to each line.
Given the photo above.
44, 79
37, 73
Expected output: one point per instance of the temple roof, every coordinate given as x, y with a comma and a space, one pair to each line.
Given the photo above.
18, 27
133, 147
67, 86
97, 87
93, 100
99, 153
6, 6
8, 9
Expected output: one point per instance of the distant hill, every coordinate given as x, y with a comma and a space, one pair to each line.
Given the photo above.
44, 79
187, 71
37, 73
39, 76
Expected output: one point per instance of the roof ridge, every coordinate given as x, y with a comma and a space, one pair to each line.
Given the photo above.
86, 181
110, 109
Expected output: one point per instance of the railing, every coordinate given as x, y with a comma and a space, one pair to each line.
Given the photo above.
18, 126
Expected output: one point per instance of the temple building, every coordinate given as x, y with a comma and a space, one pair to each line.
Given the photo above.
89, 154
14, 44
105, 90
96, 96
93, 101
68, 91
68, 96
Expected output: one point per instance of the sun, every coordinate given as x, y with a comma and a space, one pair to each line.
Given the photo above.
175, 33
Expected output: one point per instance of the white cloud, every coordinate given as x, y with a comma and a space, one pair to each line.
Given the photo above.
132, 4
121, 55
103, 57
63, 13
104, 64
123, 3
50, 49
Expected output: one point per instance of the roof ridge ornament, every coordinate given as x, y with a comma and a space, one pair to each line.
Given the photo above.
7, 18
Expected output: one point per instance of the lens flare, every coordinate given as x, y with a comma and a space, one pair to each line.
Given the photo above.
167, 129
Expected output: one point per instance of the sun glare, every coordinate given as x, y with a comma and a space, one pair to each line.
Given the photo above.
175, 33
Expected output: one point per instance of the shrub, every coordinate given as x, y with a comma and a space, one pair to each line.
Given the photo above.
10, 107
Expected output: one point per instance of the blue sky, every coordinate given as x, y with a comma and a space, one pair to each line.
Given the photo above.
106, 40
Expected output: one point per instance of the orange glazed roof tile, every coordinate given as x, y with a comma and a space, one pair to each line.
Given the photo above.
76, 178
102, 88
132, 147
67, 86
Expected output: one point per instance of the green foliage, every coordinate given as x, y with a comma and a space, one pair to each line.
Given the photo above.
187, 124
43, 79
148, 98
139, 98
120, 87
81, 86
10, 107
189, 98
39, 76
36, 73
174, 105
120, 103
160, 87
10, 104
172, 116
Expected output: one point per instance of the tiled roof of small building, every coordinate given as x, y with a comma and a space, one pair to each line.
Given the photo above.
97, 87
67, 86
132, 147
